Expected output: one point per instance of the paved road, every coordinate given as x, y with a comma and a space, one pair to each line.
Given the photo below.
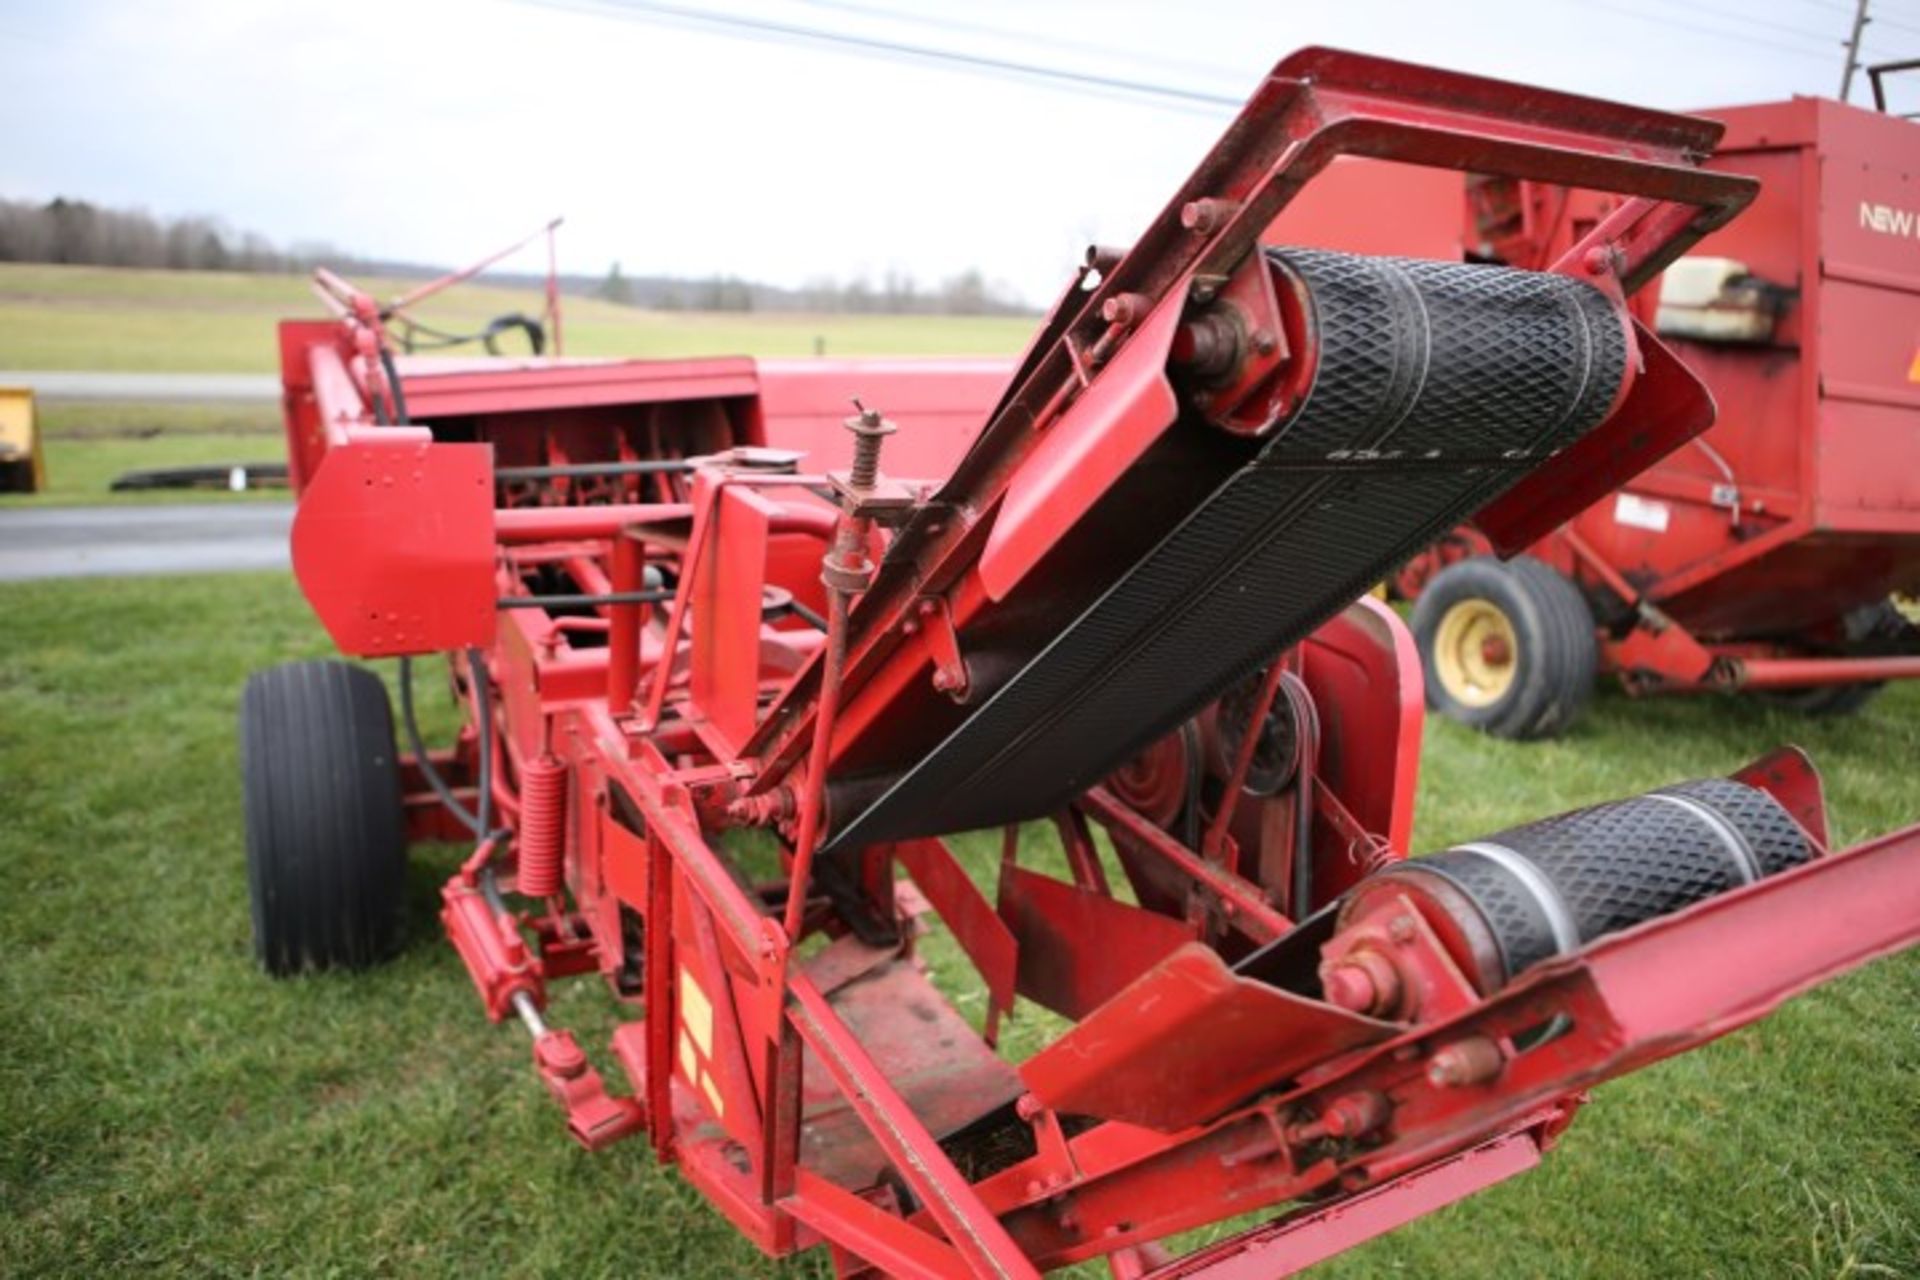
80, 384
72, 542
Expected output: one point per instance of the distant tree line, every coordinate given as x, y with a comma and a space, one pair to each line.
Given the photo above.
78, 232
969, 293
82, 233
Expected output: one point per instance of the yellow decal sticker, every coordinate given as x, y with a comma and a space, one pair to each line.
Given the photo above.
1913, 370
688, 1062
714, 1099
696, 1013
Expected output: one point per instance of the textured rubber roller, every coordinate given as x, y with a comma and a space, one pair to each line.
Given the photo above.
1550, 887
1439, 385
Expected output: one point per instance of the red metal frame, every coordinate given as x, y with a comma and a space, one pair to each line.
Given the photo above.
1729, 564
787, 1050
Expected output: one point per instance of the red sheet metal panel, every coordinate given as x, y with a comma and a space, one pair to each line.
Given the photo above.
938, 404
1105, 432
726, 599
1052, 921
1868, 446
1365, 662
965, 910
393, 546
1188, 1040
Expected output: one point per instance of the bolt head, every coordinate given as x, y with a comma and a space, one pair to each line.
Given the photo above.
1349, 987
1474, 1060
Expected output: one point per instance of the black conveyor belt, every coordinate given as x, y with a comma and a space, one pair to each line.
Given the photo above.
1439, 386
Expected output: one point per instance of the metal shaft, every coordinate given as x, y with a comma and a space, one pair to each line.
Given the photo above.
529, 1014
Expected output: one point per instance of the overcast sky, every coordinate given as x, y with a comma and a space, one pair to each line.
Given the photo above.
435, 129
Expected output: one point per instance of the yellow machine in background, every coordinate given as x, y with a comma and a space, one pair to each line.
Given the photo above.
23, 468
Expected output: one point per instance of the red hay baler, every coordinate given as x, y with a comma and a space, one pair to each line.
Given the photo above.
1766, 554
723, 704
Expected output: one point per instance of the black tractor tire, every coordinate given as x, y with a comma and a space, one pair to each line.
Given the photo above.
326, 830
1876, 629
1542, 677
1826, 701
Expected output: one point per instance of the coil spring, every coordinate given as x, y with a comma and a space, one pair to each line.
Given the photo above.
543, 826
1370, 853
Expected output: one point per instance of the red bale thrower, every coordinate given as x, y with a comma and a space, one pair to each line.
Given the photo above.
1764, 555
723, 704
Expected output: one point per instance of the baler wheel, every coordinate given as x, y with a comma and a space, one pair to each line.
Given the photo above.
1878, 628
326, 832
1508, 649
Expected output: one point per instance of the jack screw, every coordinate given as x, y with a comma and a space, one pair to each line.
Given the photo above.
869, 430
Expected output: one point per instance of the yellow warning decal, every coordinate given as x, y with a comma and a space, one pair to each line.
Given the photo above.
1913, 370
714, 1099
696, 1013
689, 1063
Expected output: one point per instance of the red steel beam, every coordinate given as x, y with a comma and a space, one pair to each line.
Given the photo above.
1293, 1244
952, 1202
878, 1237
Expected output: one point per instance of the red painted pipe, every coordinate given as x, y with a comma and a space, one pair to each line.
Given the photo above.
629, 563
1782, 673
513, 525
521, 525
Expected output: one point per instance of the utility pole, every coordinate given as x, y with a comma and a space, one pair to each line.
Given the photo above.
1853, 48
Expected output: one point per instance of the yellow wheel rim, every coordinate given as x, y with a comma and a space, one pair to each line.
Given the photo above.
1475, 653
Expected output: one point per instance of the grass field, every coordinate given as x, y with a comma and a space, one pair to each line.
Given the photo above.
88, 444
106, 318
110, 319
166, 1109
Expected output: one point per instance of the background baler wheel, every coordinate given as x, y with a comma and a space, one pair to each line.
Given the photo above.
1870, 630
1508, 649
326, 833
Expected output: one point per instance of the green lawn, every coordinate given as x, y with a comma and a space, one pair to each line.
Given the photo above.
89, 444
165, 1108
114, 319
108, 318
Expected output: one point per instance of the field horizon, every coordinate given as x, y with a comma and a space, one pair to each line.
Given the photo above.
126, 319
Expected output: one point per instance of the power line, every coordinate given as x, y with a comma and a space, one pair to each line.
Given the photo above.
1846, 10
1824, 37
1882, 20
1166, 95
1798, 50
887, 13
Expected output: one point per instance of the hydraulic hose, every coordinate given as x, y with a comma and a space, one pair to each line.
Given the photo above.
394, 390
